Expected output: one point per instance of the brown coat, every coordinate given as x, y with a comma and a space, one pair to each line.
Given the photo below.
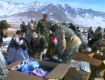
63, 44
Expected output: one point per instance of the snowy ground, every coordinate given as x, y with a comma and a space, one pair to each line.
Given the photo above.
11, 29
6, 42
7, 39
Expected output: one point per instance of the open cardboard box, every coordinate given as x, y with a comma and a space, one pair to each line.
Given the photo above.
58, 72
81, 65
93, 59
86, 58
94, 64
90, 54
98, 69
81, 56
77, 73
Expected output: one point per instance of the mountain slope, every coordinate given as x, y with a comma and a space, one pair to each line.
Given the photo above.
60, 13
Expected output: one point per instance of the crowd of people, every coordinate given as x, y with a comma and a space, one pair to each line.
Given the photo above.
46, 39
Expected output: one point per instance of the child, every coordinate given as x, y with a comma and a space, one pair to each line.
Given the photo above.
52, 45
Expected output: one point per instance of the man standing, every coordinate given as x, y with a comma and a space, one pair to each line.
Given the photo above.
67, 40
23, 28
90, 33
42, 29
97, 36
3, 28
30, 30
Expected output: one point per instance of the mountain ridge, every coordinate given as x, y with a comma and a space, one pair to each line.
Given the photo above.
58, 12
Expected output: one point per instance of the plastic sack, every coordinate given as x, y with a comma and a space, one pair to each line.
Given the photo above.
27, 66
39, 72
33, 64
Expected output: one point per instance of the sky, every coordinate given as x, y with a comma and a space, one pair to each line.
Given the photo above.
97, 5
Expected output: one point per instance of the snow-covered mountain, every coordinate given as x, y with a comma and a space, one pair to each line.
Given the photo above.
16, 12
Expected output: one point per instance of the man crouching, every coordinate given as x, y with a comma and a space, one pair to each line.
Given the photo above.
38, 45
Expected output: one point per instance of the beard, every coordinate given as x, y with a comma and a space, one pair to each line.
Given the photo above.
4, 32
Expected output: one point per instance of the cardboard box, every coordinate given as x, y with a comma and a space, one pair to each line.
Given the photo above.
83, 61
84, 57
74, 64
88, 58
81, 56
98, 79
101, 68
102, 43
84, 66
95, 62
58, 72
76, 74
90, 54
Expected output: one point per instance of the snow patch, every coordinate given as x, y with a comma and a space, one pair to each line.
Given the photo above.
11, 29
7, 39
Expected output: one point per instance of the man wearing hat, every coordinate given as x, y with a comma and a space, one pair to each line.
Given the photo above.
42, 29
3, 27
38, 44
3, 30
67, 40
23, 28
97, 36
72, 26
